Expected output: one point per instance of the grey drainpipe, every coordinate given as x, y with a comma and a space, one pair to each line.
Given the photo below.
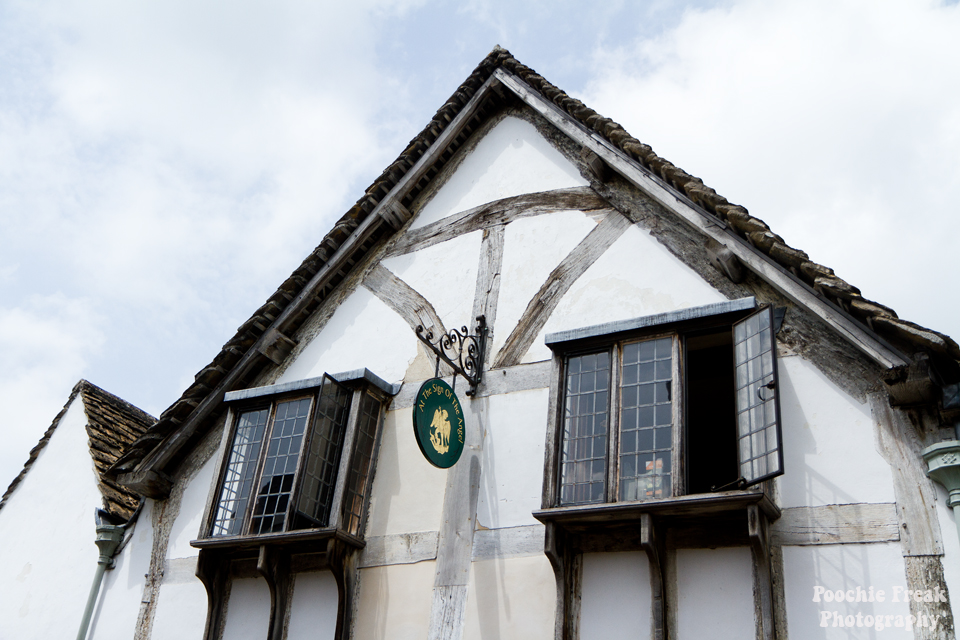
943, 466
109, 537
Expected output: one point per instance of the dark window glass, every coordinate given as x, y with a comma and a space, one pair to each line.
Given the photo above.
241, 468
323, 457
361, 464
585, 429
280, 466
646, 419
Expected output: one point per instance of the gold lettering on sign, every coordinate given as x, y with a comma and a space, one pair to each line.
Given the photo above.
440, 434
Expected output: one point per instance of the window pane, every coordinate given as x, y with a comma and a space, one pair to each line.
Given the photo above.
757, 424
323, 456
361, 464
238, 479
280, 466
647, 429
585, 429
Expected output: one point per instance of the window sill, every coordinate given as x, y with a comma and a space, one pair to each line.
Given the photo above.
300, 538
700, 504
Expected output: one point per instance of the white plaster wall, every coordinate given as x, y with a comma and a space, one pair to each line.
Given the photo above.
512, 159
248, 610
532, 248
511, 599
830, 455
181, 611
187, 525
407, 493
616, 600
635, 277
511, 477
313, 609
842, 567
715, 594
446, 275
951, 549
48, 556
363, 332
116, 613
394, 602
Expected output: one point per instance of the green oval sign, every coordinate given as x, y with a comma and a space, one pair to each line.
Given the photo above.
438, 423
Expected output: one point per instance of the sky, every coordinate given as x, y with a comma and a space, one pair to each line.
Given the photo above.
165, 165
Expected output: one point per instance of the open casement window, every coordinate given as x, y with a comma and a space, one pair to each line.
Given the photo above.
298, 459
671, 409
293, 490
665, 428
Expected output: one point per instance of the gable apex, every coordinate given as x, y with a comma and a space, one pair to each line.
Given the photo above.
499, 81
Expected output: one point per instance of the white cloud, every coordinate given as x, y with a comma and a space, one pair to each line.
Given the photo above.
836, 122
45, 346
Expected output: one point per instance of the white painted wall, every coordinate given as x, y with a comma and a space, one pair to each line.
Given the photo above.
616, 597
407, 493
715, 594
248, 610
532, 248
512, 159
511, 478
47, 528
635, 277
830, 456
511, 599
181, 610
116, 613
363, 332
842, 567
313, 609
186, 527
395, 602
446, 275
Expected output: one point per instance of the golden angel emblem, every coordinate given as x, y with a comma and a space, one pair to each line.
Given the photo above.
440, 431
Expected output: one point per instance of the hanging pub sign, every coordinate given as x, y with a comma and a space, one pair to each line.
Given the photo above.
438, 423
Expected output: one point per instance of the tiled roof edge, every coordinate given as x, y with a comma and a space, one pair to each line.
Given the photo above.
877, 317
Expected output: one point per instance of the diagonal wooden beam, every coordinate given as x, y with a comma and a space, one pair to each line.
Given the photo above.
557, 284
498, 212
407, 302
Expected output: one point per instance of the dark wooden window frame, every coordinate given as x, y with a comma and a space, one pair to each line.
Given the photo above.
737, 517
278, 556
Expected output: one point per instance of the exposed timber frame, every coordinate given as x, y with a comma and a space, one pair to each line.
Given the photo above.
712, 227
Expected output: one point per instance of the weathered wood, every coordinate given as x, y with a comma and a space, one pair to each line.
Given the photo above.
692, 505
923, 573
707, 224
147, 478
554, 436
275, 345
399, 548
654, 550
779, 592
274, 565
510, 542
758, 530
346, 452
837, 524
557, 284
213, 570
498, 212
448, 612
407, 302
487, 295
900, 446
523, 377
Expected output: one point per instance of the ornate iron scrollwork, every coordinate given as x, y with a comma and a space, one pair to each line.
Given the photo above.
462, 351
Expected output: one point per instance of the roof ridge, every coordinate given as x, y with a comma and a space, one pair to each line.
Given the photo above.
821, 279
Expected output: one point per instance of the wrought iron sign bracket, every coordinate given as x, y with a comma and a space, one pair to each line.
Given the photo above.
462, 351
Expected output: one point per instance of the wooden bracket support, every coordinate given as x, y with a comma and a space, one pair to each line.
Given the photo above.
758, 531
649, 543
276, 346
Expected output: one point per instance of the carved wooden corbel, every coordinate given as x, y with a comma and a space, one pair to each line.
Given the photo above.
212, 570
650, 544
274, 565
758, 531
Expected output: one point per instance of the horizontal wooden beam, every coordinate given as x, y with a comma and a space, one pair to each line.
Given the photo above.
709, 225
837, 524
